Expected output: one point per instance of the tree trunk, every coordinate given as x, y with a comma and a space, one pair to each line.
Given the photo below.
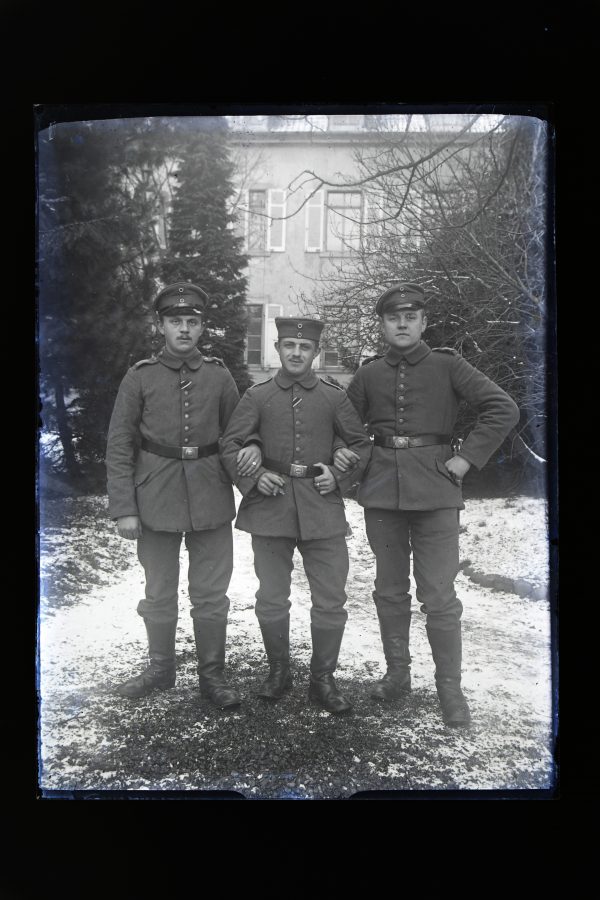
64, 432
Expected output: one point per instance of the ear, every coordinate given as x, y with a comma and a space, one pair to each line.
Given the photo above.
276, 345
424, 322
159, 324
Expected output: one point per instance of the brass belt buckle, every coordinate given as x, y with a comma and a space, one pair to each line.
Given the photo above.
400, 443
190, 452
297, 471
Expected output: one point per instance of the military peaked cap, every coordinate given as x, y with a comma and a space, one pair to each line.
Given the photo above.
299, 328
180, 297
401, 296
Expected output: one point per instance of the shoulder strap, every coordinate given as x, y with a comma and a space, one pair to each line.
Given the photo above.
330, 384
214, 359
146, 362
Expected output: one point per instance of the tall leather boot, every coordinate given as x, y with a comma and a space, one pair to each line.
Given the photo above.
326, 643
210, 648
276, 638
446, 648
395, 684
160, 674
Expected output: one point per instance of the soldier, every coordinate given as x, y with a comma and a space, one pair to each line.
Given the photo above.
295, 500
165, 480
412, 490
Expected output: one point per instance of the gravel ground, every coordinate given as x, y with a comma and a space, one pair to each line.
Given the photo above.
91, 638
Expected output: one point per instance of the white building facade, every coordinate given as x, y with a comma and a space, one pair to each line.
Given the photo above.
294, 228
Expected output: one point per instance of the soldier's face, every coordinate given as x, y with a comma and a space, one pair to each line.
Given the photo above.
181, 333
402, 328
296, 355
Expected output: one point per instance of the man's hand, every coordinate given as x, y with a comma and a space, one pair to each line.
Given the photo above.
129, 527
248, 459
326, 482
270, 484
457, 467
345, 459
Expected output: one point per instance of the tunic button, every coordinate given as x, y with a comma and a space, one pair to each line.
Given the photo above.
186, 427
186, 415
401, 409
401, 420
297, 448
186, 403
185, 440
187, 393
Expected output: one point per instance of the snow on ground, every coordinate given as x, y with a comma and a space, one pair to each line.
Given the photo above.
91, 638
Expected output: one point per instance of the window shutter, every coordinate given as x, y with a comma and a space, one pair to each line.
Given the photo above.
271, 355
276, 231
243, 214
314, 223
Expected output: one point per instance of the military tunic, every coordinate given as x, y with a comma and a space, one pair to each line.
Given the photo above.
411, 501
419, 393
297, 421
175, 402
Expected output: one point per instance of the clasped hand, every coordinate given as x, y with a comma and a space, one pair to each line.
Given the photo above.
270, 484
248, 460
345, 459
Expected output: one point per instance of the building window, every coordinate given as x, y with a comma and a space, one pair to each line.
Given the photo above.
330, 358
257, 222
254, 338
263, 215
342, 233
262, 334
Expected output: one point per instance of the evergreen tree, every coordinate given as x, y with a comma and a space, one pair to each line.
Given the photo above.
79, 217
204, 249
97, 262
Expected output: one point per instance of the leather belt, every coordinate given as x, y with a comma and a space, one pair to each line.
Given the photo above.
293, 469
401, 442
180, 452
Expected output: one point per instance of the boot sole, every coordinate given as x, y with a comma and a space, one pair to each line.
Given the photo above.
402, 696
463, 724
271, 698
334, 712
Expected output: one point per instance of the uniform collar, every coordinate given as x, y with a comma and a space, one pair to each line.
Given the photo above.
285, 381
393, 355
194, 361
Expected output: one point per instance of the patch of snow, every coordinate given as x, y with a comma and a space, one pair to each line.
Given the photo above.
97, 640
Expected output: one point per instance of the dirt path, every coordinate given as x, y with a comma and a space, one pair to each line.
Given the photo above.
90, 640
